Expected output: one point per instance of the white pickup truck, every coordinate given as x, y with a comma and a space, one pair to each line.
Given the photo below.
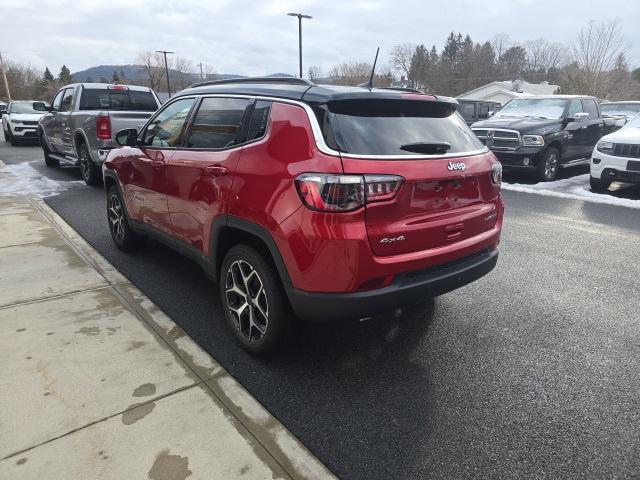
83, 119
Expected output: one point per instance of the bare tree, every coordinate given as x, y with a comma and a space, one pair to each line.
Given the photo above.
500, 43
401, 56
153, 66
181, 70
543, 55
314, 73
595, 52
355, 73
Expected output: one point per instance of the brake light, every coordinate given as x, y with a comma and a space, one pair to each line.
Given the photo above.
344, 193
103, 128
117, 87
496, 173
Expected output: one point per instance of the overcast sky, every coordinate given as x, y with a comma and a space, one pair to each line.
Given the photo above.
257, 38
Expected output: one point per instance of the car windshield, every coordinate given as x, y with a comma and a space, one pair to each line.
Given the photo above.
111, 99
626, 109
634, 122
24, 107
534, 107
395, 127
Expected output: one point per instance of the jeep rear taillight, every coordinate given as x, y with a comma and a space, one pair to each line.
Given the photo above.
103, 128
343, 193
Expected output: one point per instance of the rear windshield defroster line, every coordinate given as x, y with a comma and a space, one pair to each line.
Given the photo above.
387, 127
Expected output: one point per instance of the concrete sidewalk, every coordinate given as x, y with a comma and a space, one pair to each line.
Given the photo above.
97, 383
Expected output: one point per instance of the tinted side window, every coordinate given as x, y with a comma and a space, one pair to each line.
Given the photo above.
67, 100
57, 100
166, 127
483, 111
591, 108
217, 123
575, 107
259, 120
468, 110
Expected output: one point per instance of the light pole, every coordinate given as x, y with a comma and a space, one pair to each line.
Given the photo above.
300, 17
166, 69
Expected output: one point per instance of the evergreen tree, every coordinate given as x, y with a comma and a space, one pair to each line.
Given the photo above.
65, 76
115, 78
47, 77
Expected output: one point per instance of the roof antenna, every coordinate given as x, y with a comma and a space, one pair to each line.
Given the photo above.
369, 84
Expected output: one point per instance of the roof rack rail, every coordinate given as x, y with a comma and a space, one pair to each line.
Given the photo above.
402, 89
274, 80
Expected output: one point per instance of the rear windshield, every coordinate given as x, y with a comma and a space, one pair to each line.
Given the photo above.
628, 109
395, 127
104, 99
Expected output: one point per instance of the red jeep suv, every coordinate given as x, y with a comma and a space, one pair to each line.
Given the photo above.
328, 202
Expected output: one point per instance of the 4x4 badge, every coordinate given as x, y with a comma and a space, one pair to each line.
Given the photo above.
456, 166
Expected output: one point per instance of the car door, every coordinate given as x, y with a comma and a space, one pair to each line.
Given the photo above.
595, 126
145, 184
66, 135
575, 132
200, 173
51, 123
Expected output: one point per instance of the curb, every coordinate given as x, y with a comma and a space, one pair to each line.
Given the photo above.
292, 456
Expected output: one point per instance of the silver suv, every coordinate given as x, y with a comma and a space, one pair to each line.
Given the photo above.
83, 119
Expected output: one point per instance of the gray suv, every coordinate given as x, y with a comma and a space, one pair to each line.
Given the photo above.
83, 119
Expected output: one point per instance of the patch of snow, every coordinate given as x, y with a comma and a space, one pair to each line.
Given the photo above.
23, 179
576, 188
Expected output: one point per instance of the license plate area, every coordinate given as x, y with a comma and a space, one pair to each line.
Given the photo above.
633, 166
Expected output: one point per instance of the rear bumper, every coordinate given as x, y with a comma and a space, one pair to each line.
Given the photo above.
407, 289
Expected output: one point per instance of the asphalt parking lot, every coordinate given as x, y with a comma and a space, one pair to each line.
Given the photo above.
531, 372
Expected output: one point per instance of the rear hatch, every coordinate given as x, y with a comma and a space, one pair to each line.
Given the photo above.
447, 195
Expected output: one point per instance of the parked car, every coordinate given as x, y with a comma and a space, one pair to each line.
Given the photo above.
542, 134
3, 109
473, 111
332, 202
627, 109
21, 119
83, 119
616, 157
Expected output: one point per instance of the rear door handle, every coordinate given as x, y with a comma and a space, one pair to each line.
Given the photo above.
215, 171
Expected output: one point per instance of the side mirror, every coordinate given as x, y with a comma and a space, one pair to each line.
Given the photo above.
41, 107
127, 137
490, 113
578, 117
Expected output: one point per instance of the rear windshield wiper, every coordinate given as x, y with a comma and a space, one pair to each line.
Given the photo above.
426, 147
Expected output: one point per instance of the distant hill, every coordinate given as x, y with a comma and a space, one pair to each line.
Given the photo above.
136, 74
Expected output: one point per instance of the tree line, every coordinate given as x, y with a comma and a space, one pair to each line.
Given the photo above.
593, 64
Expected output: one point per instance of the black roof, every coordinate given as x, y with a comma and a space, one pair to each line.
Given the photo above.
299, 89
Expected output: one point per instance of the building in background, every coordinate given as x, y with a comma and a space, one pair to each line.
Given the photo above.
502, 92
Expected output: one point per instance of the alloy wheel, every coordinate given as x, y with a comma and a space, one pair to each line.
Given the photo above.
247, 300
551, 166
85, 167
116, 217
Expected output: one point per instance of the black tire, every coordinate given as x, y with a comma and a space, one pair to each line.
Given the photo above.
13, 140
599, 186
121, 232
49, 161
6, 135
243, 270
88, 169
548, 165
